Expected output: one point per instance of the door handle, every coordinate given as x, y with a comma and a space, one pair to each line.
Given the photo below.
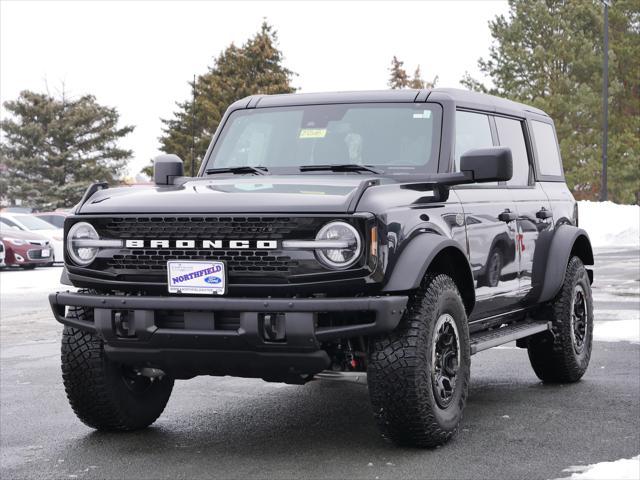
507, 216
543, 214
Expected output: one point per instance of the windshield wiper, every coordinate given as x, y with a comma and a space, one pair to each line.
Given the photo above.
347, 167
238, 170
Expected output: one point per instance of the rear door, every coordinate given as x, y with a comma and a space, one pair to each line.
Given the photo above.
532, 205
490, 219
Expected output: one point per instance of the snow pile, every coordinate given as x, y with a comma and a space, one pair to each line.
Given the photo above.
623, 469
617, 331
609, 224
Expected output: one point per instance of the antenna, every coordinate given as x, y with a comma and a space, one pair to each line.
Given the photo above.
193, 128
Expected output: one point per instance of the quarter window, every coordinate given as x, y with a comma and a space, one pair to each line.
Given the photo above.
546, 149
472, 131
510, 134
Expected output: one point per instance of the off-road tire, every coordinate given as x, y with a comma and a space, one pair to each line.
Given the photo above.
101, 392
399, 370
554, 357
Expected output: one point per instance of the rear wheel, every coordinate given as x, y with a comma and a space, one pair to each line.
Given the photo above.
418, 375
564, 355
103, 394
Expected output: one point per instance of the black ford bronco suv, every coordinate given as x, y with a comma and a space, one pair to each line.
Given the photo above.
383, 237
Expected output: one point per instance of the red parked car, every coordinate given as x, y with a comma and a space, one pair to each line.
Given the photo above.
25, 249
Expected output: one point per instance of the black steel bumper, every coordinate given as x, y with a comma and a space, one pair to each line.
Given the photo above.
199, 347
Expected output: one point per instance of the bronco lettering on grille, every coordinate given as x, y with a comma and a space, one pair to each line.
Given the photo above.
212, 244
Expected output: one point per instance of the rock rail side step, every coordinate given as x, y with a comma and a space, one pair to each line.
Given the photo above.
499, 336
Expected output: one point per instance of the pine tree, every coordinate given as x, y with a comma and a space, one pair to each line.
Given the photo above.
418, 82
254, 68
399, 77
549, 54
53, 148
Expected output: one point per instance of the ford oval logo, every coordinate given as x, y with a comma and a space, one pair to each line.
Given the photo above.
213, 280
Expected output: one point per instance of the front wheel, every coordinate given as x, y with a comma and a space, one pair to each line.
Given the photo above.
418, 375
105, 395
563, 356
495, 263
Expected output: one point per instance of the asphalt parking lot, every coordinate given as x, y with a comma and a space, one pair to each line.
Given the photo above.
514, 427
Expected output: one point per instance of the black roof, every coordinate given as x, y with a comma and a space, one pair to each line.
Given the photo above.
463, 98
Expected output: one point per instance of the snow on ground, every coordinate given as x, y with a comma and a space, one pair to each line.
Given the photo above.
617, 331
609, 224
623, 469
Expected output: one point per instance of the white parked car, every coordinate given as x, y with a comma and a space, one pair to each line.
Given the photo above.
31, 223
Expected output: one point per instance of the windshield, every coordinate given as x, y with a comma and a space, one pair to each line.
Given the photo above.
6, 229
33, 223
391, 137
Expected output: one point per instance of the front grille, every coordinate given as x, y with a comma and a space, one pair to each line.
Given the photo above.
241, 263
35, 255
238, 261
271, 228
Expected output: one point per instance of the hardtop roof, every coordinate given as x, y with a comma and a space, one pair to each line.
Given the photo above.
463, 98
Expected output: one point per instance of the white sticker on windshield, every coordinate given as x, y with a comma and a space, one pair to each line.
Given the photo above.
424, 114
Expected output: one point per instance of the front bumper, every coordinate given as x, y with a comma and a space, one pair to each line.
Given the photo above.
129, 327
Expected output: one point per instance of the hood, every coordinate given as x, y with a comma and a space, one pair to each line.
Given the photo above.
255, 194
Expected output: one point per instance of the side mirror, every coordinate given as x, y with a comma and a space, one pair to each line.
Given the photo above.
488, 164
166, 168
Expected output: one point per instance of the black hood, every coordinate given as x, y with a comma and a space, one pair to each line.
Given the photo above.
255, 194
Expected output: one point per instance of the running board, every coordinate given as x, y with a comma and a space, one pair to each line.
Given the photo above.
499, 336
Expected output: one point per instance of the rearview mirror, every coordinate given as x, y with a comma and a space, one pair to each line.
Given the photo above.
488, 164
166, 168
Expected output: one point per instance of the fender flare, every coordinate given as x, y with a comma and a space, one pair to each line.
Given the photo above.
419, 254
565, 240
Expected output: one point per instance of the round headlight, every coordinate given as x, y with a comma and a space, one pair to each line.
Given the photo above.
81, 255
339, 258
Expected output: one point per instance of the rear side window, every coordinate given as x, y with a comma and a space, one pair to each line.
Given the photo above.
472, 131
546, 149
510, 134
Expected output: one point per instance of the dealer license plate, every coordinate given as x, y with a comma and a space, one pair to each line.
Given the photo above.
206, 278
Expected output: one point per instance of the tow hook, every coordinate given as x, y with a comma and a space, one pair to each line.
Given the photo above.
122, 324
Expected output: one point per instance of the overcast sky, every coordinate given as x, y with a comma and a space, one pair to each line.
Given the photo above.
138, 56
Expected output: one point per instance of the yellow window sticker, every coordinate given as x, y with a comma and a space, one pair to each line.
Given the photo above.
313, 133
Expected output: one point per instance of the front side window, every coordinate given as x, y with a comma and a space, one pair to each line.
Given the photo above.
472, 131
392, 137
510, 134
546, 149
